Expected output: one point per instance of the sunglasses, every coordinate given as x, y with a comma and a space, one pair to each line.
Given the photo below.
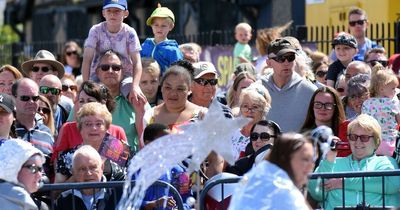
27, 98
327, 106
264, 136
43, 110
281, 59
359, 22
114, 67
321, 73
44, 69
340, 90
70, 87
363, 138
71, 53
53, 91
382, 62
33, 168
205, 82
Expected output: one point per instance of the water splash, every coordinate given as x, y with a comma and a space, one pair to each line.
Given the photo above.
196, 139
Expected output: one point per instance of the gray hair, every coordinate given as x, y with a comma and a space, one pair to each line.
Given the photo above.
88, 151
358, 85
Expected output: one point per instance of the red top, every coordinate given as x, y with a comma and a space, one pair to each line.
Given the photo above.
343, 137
70, 137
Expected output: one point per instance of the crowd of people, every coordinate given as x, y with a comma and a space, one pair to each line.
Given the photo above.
83, 117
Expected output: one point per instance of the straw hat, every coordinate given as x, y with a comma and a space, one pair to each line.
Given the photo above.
44, 56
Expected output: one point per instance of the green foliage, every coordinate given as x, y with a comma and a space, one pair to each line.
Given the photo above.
7, 35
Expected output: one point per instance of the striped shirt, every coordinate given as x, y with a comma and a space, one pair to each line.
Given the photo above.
39, 136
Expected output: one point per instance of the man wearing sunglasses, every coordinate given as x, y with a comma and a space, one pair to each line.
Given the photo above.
204, 86
290, 93
127, 115
28, 127
376, 55
358, 24
44, 63
50, 87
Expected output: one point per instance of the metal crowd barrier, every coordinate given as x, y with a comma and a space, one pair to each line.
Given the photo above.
360, 174
107, 185
323, 176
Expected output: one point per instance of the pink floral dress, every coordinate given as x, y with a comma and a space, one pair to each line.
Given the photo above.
384, 110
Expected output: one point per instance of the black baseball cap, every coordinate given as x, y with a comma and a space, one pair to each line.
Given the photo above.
280, 47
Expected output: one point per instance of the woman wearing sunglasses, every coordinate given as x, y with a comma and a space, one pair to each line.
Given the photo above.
69, 88
21, 171
46, 112
262, 137
364, 135
72, 58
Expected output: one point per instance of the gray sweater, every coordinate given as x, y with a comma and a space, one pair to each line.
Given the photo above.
290, 104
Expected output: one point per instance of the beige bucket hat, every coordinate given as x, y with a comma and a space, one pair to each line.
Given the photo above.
44, 56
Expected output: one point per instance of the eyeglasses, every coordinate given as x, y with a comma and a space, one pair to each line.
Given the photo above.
33, 168
71, 53
340, 90
43, 110
327, 106
106, 67
321, 73
53, 91
363, 138
359, 22
27, 98
264, 136
360, 96
382, 62
44, 69
251, 109
281, 59
70, 87
205, 82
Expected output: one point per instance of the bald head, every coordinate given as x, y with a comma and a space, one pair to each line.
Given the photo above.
86, 159
357, 67
50, 87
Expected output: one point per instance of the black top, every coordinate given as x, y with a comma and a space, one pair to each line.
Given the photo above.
335, 69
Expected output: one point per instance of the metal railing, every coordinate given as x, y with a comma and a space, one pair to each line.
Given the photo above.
107, 185
323, 176
385, 34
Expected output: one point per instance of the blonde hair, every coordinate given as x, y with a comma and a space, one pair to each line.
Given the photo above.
93, 108
243, 26
230, 96
367, 123
150, 66
257, 92
381, 76
267, 35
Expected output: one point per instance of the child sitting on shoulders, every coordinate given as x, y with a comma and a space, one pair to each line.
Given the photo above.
115, 35
165, 51
384, 107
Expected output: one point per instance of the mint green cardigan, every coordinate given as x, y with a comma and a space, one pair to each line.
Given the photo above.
353, 186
